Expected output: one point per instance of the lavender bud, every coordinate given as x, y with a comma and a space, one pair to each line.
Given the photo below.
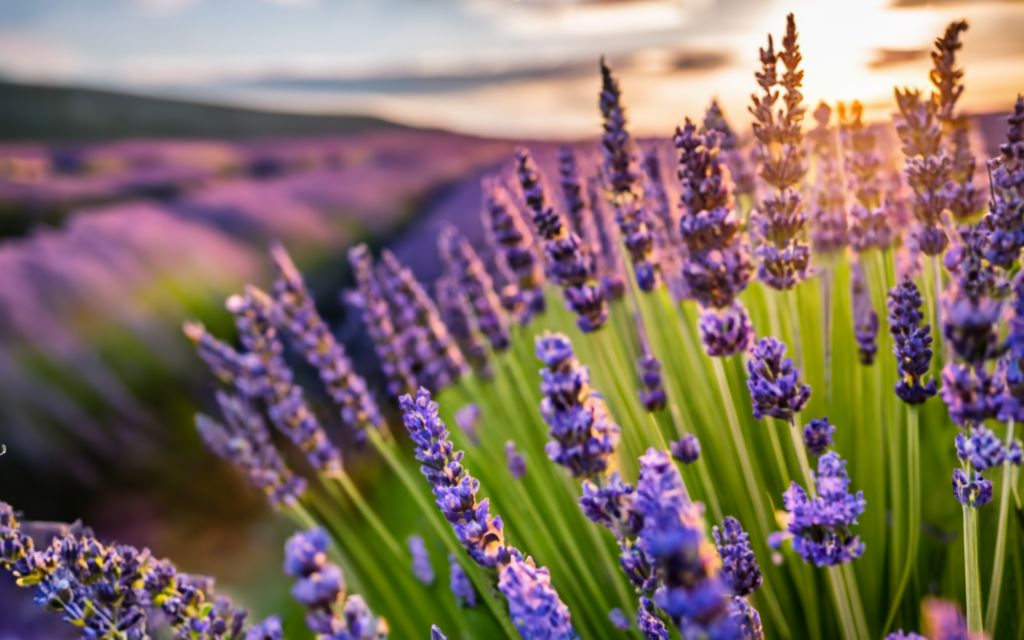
818, 436
974, 493
774, 382
533, 604
462, 588
739, 565
421, 566
686, 449
515, 460
912, 343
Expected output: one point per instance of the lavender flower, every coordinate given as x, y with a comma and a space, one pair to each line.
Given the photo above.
818, 436
927, 168
981, 448
466, 269
454, 489
435, 633
969, 324
269, 629
244, 441
624, 194
569, 261
284, 399
943, 620
865, 320
1004, 222
743, 178
228, 365
109, 591
727, 331
686, 449
745, 619
320, 587
515, 460
739, 565
572, 195
668, 244
904, 635
648, 622
828, 218
467, 418
820, 525
774, 382
652, 395
457, 315
610, 505
974, 493
377, 320
672, 536
296, 313
947, 78
870, 223
619, 619
533, 604
971, 395
421, 567
434, 357
584, 437
462, 588
514, 250
609, 261
780, 220
912, 343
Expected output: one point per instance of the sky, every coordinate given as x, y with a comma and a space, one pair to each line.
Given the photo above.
516, 68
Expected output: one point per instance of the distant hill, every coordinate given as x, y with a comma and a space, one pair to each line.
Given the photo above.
51, 113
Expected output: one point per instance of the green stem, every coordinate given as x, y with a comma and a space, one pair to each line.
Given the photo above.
913, 510
971, 571
996, 585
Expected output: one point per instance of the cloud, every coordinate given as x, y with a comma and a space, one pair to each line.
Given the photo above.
29, 55
164, 7
293, 3
883, 58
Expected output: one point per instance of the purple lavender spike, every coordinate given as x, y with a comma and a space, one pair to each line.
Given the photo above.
285, 402
462, 588
584, 436
668, 243
515, 460
973, 492
871, 226
821, 525
533, 604
457, 314
780, 220
774, 382
686, 449
244, 441
514, 251
828, 217
297, 314
739, 565
466, 269
609, 261
743, 178
434, 357
1004, 222
421, 567
865, 319
623, 189
927, 168
378, 322
912, 343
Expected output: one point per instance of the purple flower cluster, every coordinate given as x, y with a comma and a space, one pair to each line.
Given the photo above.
514, 252
462, 588
533, 604
514, 460
569, 261
820, 524
624, 194
743, 177
865, 319
774, 382
962, 197
780, 220
379, 325
296, 314
667, 242
244, 441
971, 395
927, 168
454, 489
609, 260
618, 619
652, 395
871, 226
739, 565
980, 448
690, 589
466, 271
457, 315
828, 218
584, 437
648, 622
717, 266
818, 436
686, 449
320, 587
421, 567
974, 493
1004, 222
115, 591
286, 404
433, 355
912, 343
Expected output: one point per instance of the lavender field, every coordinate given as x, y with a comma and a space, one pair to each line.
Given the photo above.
697, 322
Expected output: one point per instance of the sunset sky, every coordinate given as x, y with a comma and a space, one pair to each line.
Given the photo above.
500, 67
